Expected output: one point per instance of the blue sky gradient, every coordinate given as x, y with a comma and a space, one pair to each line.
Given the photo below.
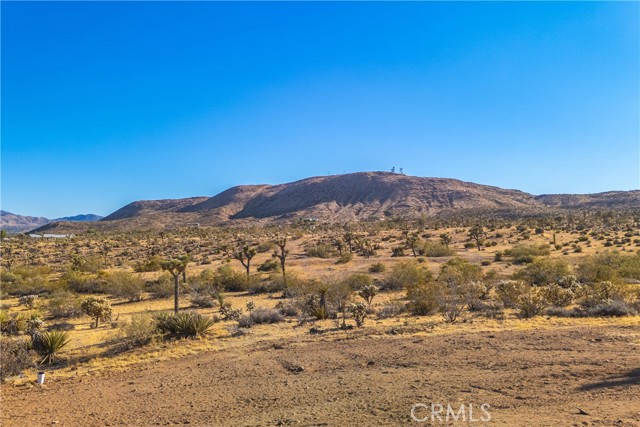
104, 103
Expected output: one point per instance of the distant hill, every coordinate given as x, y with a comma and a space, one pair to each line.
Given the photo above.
14, 223
344, 198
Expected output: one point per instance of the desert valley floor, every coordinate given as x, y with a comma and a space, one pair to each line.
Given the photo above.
538, 376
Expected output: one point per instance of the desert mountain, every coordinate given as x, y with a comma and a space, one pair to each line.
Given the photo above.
349, 197
14, 223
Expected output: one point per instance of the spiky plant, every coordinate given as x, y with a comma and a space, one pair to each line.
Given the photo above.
49, 344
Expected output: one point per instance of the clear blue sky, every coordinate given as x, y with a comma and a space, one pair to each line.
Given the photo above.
106, 103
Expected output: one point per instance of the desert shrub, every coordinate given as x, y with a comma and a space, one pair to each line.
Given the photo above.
344, 258
423, 297
287, 308
154, 263
122, 284
274, 283
608, 266
398, 251
263, 315
229, 313
509, 292
204, 289
99, 309
358, 281
557, 296
359, 312
162, 287
403, 275
531, 302
30, 301
377, 267
230, 280
186, 324
14, 323
616, 308
490, 309
87, 264
64, 305
319, 250
140, 330
83, 283
368, 292
436, 249
245, 321
49, 344
16, 356
269, 266
523, 254
26, 281
543, 271
605, 309
594, 294
392, 309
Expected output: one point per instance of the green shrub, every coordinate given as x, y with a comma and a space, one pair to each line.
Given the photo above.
140, 330
423, 297
359, 312
161, 288
49, 344
83, 283
319, 250
377, 267
64, 305
154, 263
269, 266
274, 283
99, 309
368, 292
403, 275
358, 281
523, 254
122, 284
557, 296
531, 302
187, 324
594, 294
436, 249
344, 258
509, 292
543, 271
230, 280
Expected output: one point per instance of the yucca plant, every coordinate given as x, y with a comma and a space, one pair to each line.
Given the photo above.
49, 344
186, 324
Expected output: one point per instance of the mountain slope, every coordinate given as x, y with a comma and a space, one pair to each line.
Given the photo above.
14, 223
342, 198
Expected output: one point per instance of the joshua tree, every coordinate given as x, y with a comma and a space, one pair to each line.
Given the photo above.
176, 267
477, 233
446, 239
244, 255
412, 243
281, 254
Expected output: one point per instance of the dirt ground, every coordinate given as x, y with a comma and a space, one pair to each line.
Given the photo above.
368, 377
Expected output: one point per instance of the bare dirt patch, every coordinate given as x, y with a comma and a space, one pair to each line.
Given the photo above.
533, 377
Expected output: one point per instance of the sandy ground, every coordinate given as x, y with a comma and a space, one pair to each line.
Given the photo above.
362, 378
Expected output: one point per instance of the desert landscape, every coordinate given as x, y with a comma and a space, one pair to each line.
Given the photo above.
336, 214
314, 321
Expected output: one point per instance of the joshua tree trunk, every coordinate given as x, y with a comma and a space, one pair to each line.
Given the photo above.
176, 280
